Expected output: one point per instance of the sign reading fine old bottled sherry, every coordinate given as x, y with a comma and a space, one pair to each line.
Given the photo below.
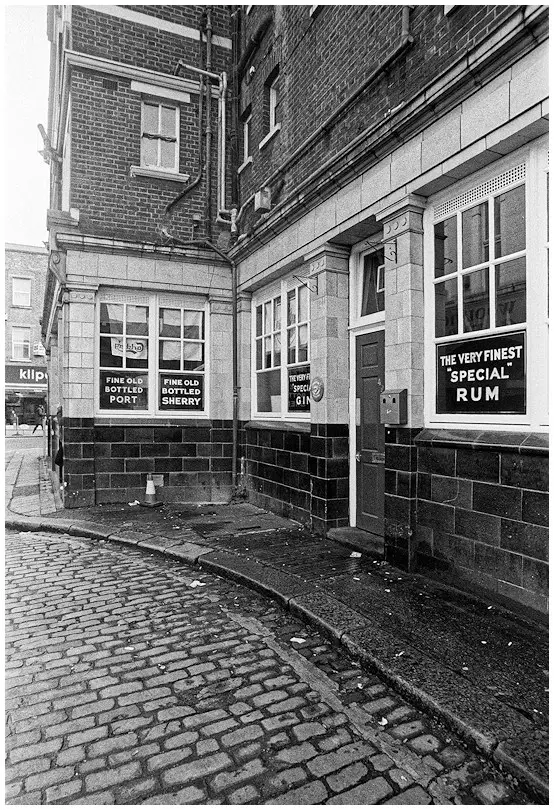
181, 391
482, 375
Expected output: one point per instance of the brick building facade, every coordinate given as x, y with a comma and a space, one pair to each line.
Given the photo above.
25, 360
386, 280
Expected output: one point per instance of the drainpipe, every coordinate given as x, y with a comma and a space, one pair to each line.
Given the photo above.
208, 200
205, 243
234, 104
198, 177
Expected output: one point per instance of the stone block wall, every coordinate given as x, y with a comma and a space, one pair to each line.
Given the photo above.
328, 466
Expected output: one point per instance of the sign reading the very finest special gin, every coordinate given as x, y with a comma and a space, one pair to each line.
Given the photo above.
482, 375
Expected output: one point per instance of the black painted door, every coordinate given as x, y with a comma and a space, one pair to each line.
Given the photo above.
370, 433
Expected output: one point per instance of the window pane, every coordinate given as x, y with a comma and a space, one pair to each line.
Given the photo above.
372, 299
446, 308
475, 235
292, 346
267, 317
509, 222
170, 354
258, 320
267, 352
149, 152
170, 323
277, 350
194, 324
168, 121
193, 356
137, 320
302, 303
510, 293
111, 319
111, 352
446, 247
291, 307
136, 353
302, 343
150, 118
167, 160
276, 314
258, 354
269, 391
476, 300
21, 292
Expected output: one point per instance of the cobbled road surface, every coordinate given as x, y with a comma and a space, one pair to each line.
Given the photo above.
128, 683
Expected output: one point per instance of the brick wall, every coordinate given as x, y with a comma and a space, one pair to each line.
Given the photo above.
324, 58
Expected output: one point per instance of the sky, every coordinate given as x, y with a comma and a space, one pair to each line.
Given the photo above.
26, 67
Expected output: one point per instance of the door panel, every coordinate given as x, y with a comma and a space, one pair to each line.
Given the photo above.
370, 433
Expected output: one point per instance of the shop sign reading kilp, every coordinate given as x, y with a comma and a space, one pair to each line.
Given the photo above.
124, 391
483, 375
181, 391
299, 388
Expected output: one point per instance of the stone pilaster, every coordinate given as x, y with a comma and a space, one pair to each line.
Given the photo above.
404, 352
328, 463
221, 357
244, 353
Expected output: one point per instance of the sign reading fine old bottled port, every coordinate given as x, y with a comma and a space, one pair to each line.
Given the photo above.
299, 388
181, 391
482, 375
124, 391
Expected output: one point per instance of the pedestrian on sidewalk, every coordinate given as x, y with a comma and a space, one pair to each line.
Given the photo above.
41, 418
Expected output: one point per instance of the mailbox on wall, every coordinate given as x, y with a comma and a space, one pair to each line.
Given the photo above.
394, 407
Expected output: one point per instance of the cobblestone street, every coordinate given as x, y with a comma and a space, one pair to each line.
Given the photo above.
133, 679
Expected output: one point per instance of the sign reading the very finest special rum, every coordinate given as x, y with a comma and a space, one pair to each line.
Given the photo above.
482, 375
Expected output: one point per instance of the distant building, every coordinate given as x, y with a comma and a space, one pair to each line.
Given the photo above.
25, 356
369, 351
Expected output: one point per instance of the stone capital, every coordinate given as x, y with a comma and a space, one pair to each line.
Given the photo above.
328, 257
80, 293
402, 216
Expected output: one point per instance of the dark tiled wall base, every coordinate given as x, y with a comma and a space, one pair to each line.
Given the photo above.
300, 473
482, 515
110, 463
77, 436
277, 470
400, 495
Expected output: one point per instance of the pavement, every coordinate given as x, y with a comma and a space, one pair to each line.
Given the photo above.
479, 669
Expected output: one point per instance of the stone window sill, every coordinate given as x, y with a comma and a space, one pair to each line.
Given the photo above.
519, 442
158, 174
270, 135
247, 162
256, 424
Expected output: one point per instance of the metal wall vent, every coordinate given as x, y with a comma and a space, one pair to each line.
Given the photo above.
483, 190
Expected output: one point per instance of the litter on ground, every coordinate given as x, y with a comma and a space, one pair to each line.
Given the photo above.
355, 554
195, 583
298, 640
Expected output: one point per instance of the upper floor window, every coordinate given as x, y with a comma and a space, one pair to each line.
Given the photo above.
21, 292
21, 343
160, 136
271, 102
273, 90
373, 283
281, 349
246, 127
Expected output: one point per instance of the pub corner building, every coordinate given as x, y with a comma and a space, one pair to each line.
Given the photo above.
329, 297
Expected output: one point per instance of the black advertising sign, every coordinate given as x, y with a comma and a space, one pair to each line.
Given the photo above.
124, 391
299, 388
181, 391
482, 375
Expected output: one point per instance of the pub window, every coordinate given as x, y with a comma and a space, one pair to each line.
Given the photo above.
373, 283
486, 317
281, 353
152, 357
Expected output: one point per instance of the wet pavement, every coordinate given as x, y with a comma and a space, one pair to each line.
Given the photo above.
481, 670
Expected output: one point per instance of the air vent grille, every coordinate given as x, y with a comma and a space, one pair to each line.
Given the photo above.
478, 192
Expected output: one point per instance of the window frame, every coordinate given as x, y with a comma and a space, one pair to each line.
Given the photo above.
535, 326
364, 248
280, 291
155, 302
14, 343
160, 103
29, 291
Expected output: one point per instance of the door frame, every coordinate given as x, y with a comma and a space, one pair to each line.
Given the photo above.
357, 326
